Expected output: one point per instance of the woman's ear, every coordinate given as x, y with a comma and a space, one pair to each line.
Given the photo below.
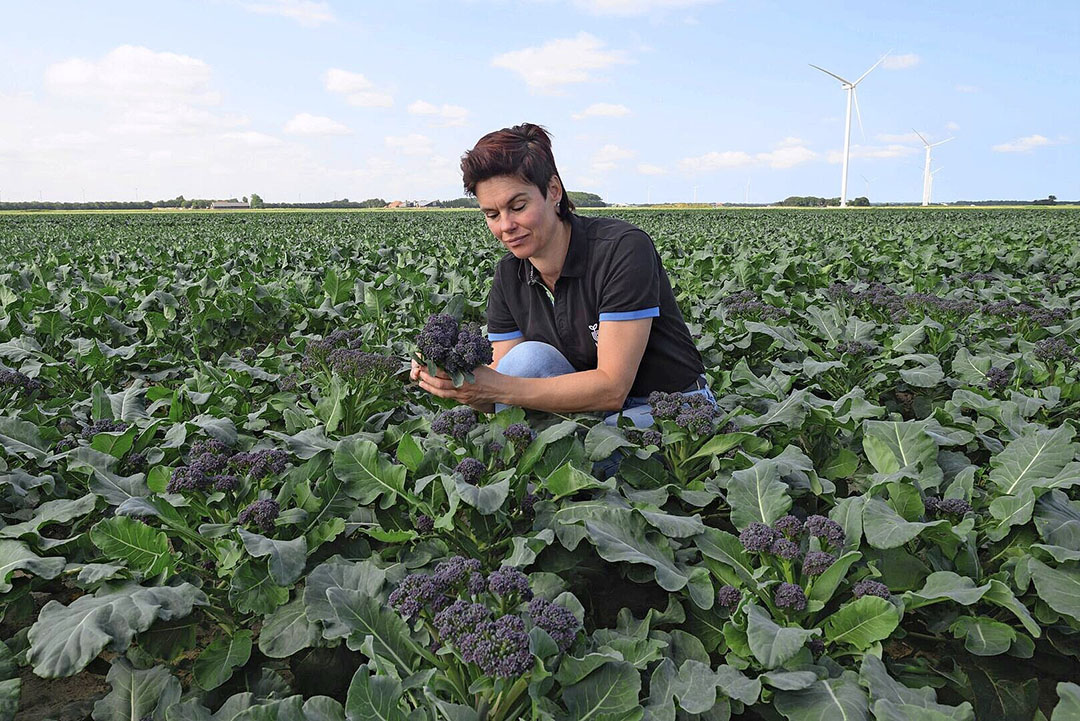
555, 190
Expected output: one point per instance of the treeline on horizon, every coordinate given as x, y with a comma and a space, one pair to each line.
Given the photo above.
581, 200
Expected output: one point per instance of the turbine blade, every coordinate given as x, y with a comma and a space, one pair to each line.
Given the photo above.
942, 142
880, 60
845, 82
920, 136
858, 113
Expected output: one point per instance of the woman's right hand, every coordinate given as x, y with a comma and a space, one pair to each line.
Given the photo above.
414, 372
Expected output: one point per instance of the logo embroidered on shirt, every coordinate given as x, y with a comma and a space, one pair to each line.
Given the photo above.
594, 328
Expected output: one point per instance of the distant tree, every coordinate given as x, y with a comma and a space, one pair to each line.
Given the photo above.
373, 203
1052, 199
586, 200
256, 201
861, 201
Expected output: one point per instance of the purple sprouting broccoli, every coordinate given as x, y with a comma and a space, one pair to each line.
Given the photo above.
500, 647
133, 463
436, 340
665, 406
785, 549
65, 444
757, 537
471, 470
645, 436
103, 426
476, 584
816, 646
528, 504
186, 479
519, 434
452, 348
817, 562
225, 482
318, 351
789, 527
695, 413
746, 303
246, 354
459, 618
790, 596
453, 573
1052, 350
507, 581
456, 423
472, 349
828, 530
728, 597
19, 381
868, 587
287, 382
946, 506
840, 291
261, 513
357, 365
855, 349
559, 622
998, 378
424, 524
416, 593
260, 464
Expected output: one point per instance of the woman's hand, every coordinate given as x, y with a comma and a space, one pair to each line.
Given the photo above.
481, 394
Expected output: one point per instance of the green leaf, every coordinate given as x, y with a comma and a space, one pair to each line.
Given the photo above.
367, 617
252, 589
287, 630
772, 644
373, 697
17, 556
485, 499
368, 473
621, 536
892, 445
22, 439
833, 699
946, 586
602, 440
983, 636
364, 577
898, 698
66, 638
1033, 457
568, 479
726, 548
757, 494
1002, 699
1059, 587
885, 528
137, 694
409, 452
611, 689
862, 622
825, 585
1068, 707
215, 665
141, 547
286, 558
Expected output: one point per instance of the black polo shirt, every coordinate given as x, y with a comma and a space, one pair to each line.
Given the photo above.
612, 272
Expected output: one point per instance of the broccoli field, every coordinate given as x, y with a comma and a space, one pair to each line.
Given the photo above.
220, 497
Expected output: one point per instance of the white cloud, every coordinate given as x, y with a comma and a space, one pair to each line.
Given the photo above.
412, 144
911, 137
560, 62
716, 161
356, 89
602, 110
253, 139
608, 157
308, 124
131, 74
952, 125
901, 62
1024, 144
967, 89
307, 13
786, 156
442, 115
650, 169
627, 8
877, 152
790, 142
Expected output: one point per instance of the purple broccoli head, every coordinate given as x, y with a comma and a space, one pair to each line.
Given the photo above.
559, 623
261, 513
790, 596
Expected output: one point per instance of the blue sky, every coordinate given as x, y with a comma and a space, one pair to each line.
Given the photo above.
661, 100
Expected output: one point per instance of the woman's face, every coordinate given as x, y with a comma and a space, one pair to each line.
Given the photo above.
518, 214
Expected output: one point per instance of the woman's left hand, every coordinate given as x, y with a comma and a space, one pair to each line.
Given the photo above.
481, 394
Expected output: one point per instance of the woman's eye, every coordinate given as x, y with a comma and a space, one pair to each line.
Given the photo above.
518, 208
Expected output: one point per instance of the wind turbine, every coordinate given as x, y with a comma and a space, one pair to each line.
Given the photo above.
868, 181
746, 201
927, 180
850, 88
930, 188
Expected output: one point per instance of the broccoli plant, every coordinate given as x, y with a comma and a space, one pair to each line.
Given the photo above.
457, 349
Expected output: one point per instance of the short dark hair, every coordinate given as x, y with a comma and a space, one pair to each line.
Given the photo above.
523, 151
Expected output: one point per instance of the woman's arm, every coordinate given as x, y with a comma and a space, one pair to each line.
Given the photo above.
620, 346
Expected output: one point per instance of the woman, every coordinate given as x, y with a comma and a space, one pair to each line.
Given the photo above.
581, 314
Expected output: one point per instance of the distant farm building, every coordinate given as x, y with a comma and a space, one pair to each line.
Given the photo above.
395, 204
228, 205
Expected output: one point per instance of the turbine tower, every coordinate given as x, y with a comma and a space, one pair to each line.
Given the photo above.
927, 179
850, 88
930, 188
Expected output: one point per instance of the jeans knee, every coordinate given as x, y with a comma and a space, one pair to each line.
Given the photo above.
534, 359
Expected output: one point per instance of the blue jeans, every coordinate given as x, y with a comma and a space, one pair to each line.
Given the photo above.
535, 359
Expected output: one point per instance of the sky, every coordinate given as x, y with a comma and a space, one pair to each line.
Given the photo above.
646, 100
